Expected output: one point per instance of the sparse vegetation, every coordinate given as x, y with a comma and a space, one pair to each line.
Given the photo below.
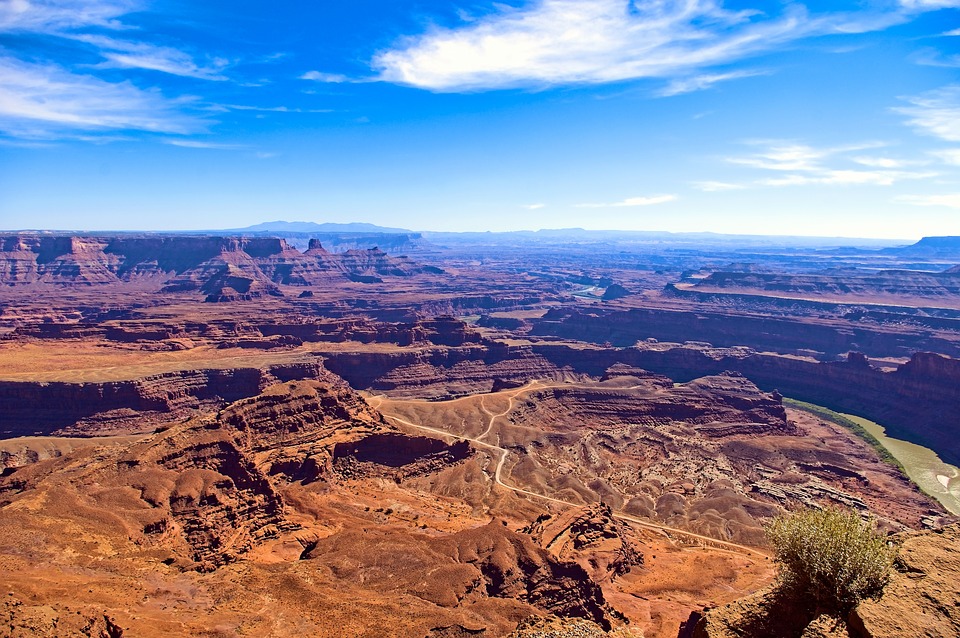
832, 556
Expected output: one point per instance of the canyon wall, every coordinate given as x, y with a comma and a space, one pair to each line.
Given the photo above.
860, 332
132, 406
248, 266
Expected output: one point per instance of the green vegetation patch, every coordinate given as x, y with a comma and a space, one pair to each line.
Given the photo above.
831, 556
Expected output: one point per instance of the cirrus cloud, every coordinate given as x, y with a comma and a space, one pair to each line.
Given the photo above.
633, 201
554, 42
38, 100
935, 112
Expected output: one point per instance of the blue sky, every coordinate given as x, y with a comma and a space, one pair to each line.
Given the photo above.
816, 118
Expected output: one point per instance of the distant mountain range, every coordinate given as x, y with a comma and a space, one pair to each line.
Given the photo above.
562, 235
313, 227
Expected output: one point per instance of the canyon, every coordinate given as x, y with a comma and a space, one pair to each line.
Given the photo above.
226, 435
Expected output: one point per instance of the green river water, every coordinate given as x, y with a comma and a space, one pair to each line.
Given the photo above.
938, 479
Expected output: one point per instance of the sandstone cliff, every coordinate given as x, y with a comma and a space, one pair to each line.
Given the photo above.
222, 268
133, 406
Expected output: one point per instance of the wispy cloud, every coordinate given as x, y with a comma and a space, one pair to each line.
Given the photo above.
705, 81
553, 42
633, 201
319, 76
848, 177
801, 164
714, 187
935, 112
933, 57
929, 5
46, 100
882, 162
74, 19
124, 54
201, 144
784, 157
58, 16
950, 201
534, 206
267, 109
948, 156
38, 100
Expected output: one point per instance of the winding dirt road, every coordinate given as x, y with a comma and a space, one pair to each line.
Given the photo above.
671, 533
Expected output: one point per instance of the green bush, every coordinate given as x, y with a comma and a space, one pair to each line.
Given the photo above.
832, 556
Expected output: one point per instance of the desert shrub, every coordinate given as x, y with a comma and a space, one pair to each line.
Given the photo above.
830, 555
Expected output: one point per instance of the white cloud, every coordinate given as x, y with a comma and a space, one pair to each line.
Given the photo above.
319, 76
534, 206
714, 187
848, 177
589, 41
68, 18
702, 82
929, 5
792, 156
933, 57
881, 162
950, 201
954, 32
935, 112
57, 16
36, 100
267, 109
633, 201
949, 156
139, 55
801, 164
201, 144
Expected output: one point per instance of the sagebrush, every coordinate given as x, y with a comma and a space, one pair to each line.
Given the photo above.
833, 556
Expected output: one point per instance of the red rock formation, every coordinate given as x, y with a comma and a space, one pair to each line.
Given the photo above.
589, 536
829, 337
138, 405
223, 268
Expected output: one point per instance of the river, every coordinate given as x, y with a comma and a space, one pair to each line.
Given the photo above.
938, 479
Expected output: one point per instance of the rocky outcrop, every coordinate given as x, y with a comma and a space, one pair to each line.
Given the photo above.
21, 619
920, 600
590, 537
136, 405
615, 291
553, 627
